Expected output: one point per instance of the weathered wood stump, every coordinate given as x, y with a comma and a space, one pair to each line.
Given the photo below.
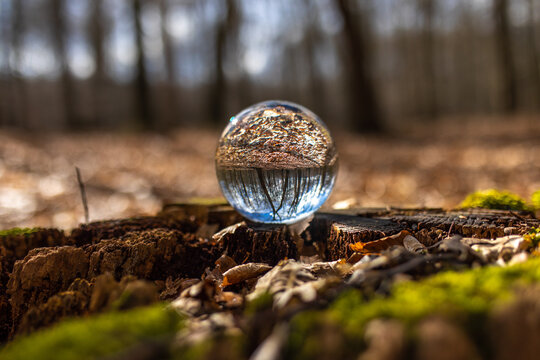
336, 231
47, 274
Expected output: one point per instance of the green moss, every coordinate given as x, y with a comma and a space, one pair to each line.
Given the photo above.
95, 337
494, 199
466, 297
536, 200
533, 237
260, 303
18, 231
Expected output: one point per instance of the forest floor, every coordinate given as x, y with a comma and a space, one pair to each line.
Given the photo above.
432, 165
361, 280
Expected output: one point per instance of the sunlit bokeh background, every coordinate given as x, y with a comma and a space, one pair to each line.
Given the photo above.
428, 99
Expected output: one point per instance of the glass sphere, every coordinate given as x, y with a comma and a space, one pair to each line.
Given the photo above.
276, 162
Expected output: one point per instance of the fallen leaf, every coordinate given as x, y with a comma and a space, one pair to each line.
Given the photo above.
413, 245
244, 272
225, 263
291, 281
228, 230
230, 300
354, 258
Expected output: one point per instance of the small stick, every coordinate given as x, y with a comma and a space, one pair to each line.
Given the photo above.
83, 193
450, 229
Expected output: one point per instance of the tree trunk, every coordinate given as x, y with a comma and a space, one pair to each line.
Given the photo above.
363, 106
98, 81
60, 31
20, 93
505, 56
223, 33
430, 108
6, 107
144, 116
316, 86
533, 53
171, 112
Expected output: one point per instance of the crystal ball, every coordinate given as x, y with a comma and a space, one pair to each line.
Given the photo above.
276, 162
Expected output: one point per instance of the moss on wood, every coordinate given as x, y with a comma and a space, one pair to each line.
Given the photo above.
465, 297
535, 199
18, 231
96, 337
494, 199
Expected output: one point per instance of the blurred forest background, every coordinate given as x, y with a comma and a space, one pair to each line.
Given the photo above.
359, 64
428, 99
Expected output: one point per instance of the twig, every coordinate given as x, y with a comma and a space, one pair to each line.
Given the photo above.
450, 229
83, 193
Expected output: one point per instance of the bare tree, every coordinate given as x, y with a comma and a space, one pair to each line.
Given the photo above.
170, 68
20, 95
6, 109
363, 104
420, 70
60, 31
427, 38
311, 39
532, 44
224, 31
144, 116
505, 55
99, 78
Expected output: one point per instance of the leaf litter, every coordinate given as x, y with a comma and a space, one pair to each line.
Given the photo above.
294, 286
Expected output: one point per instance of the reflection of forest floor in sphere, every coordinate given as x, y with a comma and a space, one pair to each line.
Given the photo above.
128, 174
271, 136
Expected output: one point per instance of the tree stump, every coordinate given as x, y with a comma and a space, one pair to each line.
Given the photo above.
183, 243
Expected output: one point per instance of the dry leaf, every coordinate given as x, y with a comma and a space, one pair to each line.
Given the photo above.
290, 280
354, 258
225, 263
413, 245
287, 274
229, 299
244, 272
228, 230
